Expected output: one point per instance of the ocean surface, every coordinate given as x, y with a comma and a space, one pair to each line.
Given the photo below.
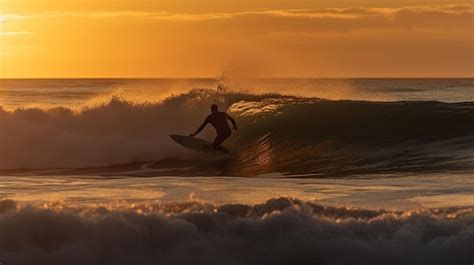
322, 171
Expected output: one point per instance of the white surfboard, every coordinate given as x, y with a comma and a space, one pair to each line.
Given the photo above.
194, 143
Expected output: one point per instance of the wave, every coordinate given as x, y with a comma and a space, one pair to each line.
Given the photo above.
279, 231
321, 137
277, 133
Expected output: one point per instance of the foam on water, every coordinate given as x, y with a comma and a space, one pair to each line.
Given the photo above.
279, 231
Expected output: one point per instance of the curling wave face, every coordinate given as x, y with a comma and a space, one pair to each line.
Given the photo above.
320, 137
296, 232
277, 133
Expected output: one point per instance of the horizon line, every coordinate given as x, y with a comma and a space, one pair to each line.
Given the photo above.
263, 77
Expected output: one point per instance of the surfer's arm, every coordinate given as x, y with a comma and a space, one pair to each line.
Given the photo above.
232, 120
206, 121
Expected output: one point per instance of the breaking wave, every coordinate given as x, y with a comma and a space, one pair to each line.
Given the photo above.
279, 231
277, 133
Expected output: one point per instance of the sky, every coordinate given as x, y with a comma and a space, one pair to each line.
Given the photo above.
258, 38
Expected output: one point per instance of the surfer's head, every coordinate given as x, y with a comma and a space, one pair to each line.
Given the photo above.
214, 108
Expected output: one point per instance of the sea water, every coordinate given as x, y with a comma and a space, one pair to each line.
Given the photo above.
322, 171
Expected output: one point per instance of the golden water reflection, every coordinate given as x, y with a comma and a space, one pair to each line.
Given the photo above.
404, 192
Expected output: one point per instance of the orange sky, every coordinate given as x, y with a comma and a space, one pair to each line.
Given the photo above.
196, 38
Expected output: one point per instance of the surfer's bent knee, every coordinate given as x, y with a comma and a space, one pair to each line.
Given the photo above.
221, 137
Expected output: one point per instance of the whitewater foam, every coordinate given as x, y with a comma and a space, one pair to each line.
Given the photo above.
297, 233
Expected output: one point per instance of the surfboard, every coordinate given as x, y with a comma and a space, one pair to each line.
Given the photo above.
194, 143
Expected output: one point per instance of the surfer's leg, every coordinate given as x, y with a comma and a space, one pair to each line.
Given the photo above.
222, 149
220, 138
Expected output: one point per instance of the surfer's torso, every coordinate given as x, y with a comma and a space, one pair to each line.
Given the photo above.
219, 122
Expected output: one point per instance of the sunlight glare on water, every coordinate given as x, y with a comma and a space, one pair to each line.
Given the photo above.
391, 192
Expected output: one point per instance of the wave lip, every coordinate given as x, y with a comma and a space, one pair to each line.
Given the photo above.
279, 231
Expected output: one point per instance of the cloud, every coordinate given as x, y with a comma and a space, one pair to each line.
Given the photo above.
14, 33
434, 40
337, 13
7, 17
283, 21
289, 21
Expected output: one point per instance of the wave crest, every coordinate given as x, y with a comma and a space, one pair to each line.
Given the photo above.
275, 134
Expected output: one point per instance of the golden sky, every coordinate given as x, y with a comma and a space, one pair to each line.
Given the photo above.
257, 38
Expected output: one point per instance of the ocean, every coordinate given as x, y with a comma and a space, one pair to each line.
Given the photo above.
322, 171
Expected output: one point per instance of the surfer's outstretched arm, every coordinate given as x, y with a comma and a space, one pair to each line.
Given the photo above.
200, 127
232, 120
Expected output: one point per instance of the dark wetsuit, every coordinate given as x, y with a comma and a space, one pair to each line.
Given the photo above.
220, 124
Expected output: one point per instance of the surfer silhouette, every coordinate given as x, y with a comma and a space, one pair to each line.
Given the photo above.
218, 119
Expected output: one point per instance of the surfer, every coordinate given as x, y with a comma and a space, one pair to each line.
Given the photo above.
218, 119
